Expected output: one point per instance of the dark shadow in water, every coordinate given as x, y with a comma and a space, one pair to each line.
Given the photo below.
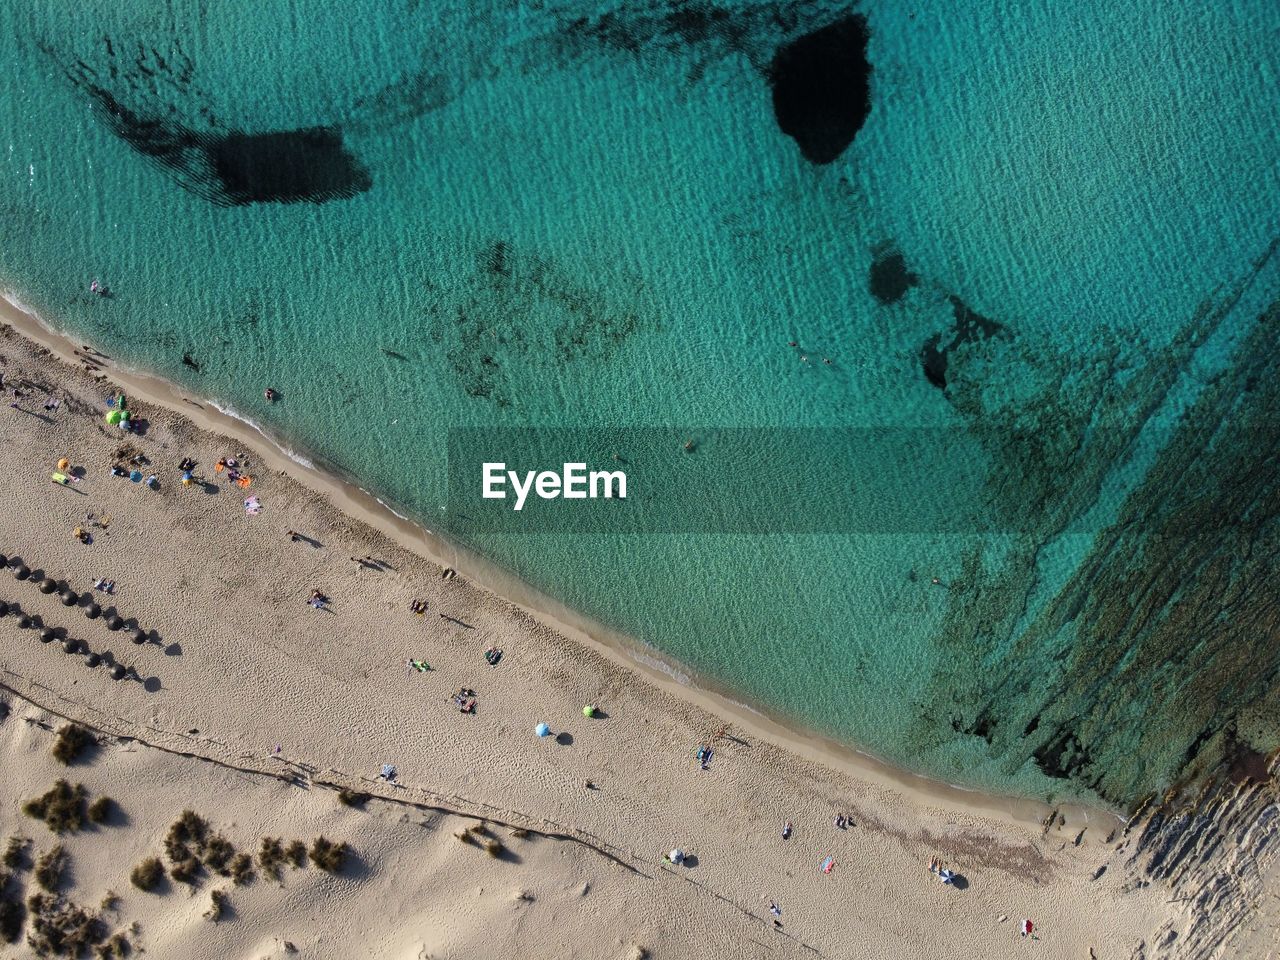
821, 88
889, 278
227, 167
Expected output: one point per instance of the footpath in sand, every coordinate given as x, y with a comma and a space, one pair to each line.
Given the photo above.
252, 708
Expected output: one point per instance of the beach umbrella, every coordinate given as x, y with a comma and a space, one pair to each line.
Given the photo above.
4, 608
93, 611
588, 711
139, 636
93, 660
22, 571
24, 621
47, 635
47, 585
119, 671
542, 730
71, 646
114, 622
676, 856
69, 598
4, 561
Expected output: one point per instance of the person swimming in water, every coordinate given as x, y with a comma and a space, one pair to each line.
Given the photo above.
270, 394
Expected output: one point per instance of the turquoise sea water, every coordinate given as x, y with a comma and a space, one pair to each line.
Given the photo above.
1053, 238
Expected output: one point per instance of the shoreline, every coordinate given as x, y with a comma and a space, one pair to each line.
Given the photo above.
652, 666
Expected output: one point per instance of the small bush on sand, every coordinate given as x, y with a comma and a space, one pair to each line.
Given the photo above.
16, 856
241, 869
327, 855
218, 903
465, 836
60, 928
117, 947
50, 869
101, 809
493, 847
271, 857
186, 871
12, 913
296, 854
62, 808
187, 837
352, 798
217, 854
73, 740
520, 833
148, 874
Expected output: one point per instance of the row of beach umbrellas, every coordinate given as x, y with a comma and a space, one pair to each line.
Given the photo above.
70, 598
69, 644
92, 610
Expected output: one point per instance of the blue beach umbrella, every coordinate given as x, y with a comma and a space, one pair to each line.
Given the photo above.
542, 730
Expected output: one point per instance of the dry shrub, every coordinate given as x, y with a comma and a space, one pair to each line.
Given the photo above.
60, 928
241, 869
327, 855
62, 809
51, 867
72, 741
12, 913
101, 809
271, 857
118, 947
217, 854
218, 903
493, 847
296, 853
186, 871
16, 854
148, 874
352, 798
187, 837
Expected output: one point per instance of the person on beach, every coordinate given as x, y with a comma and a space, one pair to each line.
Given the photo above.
293, 535
786, 830
418, 607
840, 821
318, 600
776, 911
1026, 928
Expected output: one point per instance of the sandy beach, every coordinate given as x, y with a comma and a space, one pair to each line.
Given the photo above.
254, 709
